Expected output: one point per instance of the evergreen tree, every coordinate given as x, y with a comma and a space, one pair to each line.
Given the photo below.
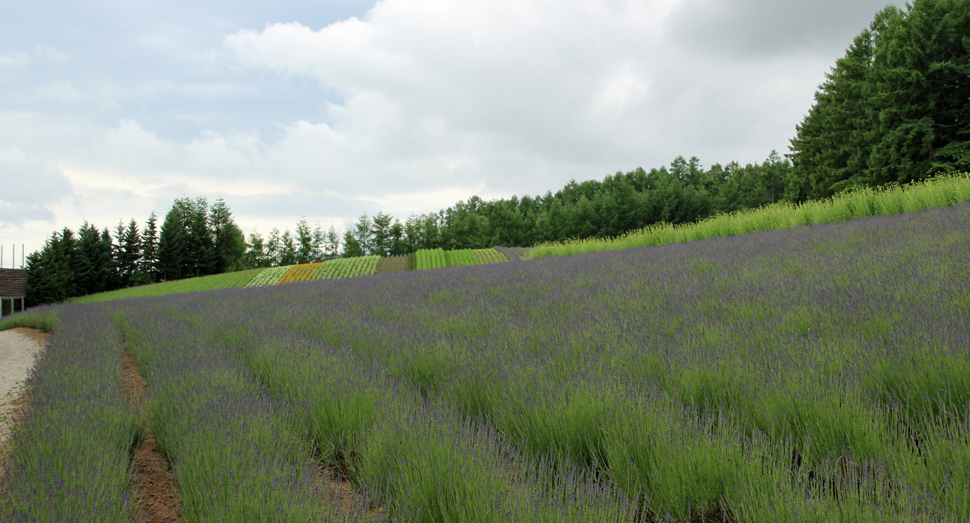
49, 275
149, 253
332, 244
200, 255
288, 249
381, 240
274, 247
87, 261
127, 252
363, 232
307, 247
229, 244
172, 242
352, 248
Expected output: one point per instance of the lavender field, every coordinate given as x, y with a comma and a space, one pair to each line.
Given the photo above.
819, 373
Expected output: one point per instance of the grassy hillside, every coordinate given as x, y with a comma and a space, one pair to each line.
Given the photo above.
814, 374
940, 191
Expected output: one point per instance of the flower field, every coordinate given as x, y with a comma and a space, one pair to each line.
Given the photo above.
270, 276
815, 374
302, 272
392, 265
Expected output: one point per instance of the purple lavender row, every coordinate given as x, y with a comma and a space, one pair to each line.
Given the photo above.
70, 457
232, 449
420, 458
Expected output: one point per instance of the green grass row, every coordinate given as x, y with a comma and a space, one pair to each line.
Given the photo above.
940, 191
202, 283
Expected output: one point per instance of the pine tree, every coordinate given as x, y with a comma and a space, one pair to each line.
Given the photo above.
127, 252
288, 250
149, 246
229, 244
332, 244
171, 243
307, 248
381, 240
363, 231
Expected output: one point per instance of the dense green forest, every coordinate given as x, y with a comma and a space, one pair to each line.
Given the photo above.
894, 109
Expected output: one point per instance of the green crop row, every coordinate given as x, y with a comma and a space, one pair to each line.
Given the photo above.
486, 256
347, 268
392, 264
270, 276
431, 259
461, 257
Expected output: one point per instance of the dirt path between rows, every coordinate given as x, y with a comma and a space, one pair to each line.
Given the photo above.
158, 498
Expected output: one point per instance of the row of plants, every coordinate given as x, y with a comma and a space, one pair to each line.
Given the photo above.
270, 276
303, 272
347, 267
69, 458
486, 256
939, 191
232, 448
431, 259
420, 459
392, 264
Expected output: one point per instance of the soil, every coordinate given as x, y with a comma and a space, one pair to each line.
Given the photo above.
158, 497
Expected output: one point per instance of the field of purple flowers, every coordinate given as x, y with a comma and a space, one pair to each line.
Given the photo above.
819, 373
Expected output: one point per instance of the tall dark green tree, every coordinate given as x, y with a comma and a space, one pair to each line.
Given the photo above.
92, 264
127, 253
352, 248
149, 246
307, 243
381, 240
172, 242
895, 108
229, 244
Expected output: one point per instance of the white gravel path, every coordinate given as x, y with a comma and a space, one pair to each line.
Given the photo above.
18, 349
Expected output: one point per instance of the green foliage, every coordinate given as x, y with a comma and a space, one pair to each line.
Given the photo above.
202, 283
940, 191
894, 108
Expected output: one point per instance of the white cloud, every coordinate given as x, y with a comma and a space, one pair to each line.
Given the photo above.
51, 54
14, 60
423, 103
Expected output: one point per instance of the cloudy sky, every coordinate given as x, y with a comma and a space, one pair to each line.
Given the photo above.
327, 109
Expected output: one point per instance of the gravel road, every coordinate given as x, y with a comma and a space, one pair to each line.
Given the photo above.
18, 349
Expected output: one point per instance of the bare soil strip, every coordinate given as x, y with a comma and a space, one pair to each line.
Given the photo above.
159, 498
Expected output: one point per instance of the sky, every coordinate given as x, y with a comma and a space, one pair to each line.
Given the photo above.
328, 109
